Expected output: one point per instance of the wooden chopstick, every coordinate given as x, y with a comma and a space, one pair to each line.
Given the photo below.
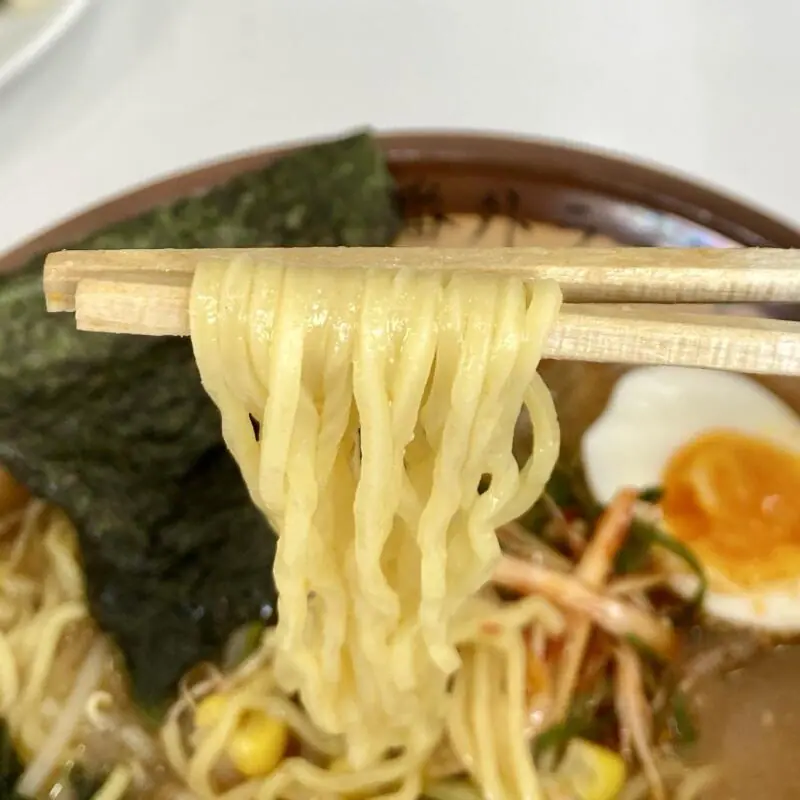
147, 293
598, 275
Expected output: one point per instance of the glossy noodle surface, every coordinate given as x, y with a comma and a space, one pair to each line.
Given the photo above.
381, 401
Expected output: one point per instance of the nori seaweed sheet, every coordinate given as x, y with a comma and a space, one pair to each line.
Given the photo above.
118, 431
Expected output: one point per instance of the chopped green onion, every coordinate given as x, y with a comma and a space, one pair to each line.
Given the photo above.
242, 643
642, 537
643, 648
557, 736
652, 494
680, 723
582, 720
634, 553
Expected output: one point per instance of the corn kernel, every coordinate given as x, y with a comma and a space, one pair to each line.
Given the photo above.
209, 710
592, 772
258, 745
258, 741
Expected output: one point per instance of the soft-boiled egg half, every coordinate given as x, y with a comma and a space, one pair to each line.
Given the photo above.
726, 453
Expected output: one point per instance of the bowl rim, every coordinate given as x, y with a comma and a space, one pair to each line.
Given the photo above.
619, 177
540, 160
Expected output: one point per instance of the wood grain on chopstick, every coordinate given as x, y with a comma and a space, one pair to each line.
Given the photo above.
609, 275
604, 333
148, 293
635, 335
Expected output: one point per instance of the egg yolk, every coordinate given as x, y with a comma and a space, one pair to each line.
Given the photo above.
735, 500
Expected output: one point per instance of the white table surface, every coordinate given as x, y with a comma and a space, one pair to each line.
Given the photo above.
141, 88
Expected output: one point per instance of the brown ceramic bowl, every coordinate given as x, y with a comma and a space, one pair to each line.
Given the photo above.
587, 196
459, 190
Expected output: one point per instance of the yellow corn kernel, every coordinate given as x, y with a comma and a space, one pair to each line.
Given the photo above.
258, 744
209, 710
591, 772
258, 741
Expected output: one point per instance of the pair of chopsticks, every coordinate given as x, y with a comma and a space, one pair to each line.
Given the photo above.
147, 292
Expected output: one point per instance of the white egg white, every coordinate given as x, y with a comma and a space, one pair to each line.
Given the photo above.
652, 412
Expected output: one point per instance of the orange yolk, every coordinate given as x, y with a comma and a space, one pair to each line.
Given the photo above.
735, 500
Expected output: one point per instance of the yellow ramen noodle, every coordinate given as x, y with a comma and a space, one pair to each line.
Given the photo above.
372, 415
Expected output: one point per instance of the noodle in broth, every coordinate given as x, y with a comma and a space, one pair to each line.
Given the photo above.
61, 694
485, 730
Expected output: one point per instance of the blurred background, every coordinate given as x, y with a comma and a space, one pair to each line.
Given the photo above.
106, 94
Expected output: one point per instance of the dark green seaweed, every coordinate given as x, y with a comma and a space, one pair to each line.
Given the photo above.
118, 431
332, 194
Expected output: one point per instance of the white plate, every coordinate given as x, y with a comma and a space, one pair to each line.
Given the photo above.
26, 33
